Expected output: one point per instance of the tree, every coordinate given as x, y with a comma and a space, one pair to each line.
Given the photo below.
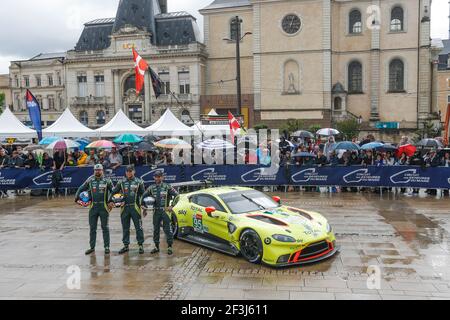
429, 130
349, 128
292, 125
260, 126
2, 102
314, 128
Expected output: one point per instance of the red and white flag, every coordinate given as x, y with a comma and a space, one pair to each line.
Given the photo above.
235, 127
140, 66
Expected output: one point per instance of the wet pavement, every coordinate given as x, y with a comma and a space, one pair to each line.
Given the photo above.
406, 239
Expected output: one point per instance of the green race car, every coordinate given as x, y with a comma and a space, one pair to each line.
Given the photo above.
237, 220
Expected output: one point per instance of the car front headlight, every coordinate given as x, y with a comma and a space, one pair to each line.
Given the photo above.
329, 228
283, 238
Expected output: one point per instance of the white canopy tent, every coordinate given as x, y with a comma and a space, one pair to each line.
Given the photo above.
11, 127
169, 125
69, 127
211, 130
118, 125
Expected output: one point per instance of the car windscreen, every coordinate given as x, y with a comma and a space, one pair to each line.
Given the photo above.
248, 201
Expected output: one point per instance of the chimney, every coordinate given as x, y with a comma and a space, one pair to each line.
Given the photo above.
163, 6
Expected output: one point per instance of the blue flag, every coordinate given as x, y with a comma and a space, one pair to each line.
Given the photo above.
34, 110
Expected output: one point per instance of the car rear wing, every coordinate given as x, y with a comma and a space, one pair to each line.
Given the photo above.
204, 183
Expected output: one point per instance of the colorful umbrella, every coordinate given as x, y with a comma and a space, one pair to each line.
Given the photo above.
328, 132
101, 144
347, 145
409, 149
63, 145
128, 138
145, 146
49, 140
215, 144
173, 144
83, 143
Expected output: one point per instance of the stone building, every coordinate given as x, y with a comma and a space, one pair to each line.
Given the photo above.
322, 61
5, 89
442, 79
96, 78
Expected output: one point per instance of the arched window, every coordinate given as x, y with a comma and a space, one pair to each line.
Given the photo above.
396, 76
338, 104
101, 117
84, 118
355, 77
397, 18
234, 29
355, 22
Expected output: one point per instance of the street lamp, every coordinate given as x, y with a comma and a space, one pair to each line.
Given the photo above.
238, 40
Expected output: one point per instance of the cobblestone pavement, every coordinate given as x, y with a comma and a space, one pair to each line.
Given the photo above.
407, 238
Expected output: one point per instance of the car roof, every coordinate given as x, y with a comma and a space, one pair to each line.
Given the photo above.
221, 190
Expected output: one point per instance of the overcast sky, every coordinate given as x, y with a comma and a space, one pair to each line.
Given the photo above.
30, 27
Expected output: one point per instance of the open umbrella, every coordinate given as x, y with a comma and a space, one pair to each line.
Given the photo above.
145, 146
372, 146
33, 147
429, 143
409, 149
49, 140
83, 143
328, 132
173, 143
290, 143
101, 144
63, 145
128, 138
304, 155
442, 152
347, 145
215, 144
151, 139
303, 134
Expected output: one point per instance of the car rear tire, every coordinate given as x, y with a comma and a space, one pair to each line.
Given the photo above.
174, 225
251, 246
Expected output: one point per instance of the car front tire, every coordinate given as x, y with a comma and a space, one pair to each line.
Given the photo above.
174, 225
251, 246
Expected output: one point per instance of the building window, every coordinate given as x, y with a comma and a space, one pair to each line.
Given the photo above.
39, 100
234, 29
51, 102
82, 86
84, 118
16, 81
101, 117
50, 80
58, 75
165, 80
26, 80
397, 19
396, 76
355, 77
355, 22
99, 85
184, 81
38, 81
448, 99
61, 101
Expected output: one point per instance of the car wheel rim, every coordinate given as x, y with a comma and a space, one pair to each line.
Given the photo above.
174, 227
250, 247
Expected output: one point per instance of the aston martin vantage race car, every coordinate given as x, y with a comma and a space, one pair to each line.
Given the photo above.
247, 222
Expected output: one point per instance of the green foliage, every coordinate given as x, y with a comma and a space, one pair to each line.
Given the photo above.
314, 128
349, 128
292, 125
260, 126
429, 130
2, 102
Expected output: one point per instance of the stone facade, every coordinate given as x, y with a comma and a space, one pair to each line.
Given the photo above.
96, 78
317, 58
5, 89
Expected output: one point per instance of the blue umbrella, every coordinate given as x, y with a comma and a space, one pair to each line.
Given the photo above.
127, 138
83, 143
49, 140
304, 155
347, 145
372, 146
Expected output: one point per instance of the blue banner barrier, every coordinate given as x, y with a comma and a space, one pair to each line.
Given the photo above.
248, 175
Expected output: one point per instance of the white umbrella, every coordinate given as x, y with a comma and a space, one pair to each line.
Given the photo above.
328, 132
215, 144
290, 143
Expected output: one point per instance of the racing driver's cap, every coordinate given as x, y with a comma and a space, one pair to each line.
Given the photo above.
159, 174
98, 167
130, 168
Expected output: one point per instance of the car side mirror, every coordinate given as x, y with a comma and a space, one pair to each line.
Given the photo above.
277, 199
210, 211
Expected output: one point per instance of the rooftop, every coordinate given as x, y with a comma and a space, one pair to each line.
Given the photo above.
220, 4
